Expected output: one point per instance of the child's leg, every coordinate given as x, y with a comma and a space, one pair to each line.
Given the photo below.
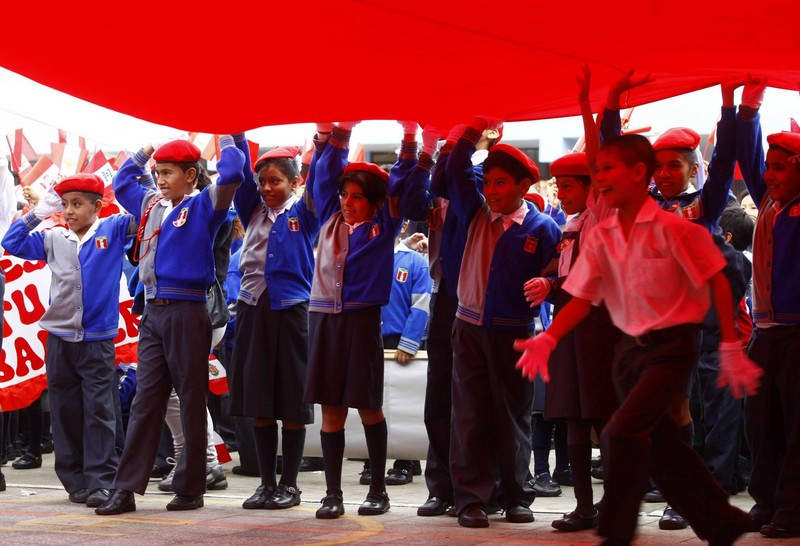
66, 403
472, 466
438, 400
511, 409
294, 439
579, 448
376, 435
266, 436
187, 336
147, 411
541, 439
98, 383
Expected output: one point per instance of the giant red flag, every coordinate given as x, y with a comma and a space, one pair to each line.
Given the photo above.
437, 62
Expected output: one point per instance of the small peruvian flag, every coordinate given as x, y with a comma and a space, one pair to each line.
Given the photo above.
402, 274
101, 242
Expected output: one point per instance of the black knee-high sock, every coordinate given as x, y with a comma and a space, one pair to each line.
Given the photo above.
293, 443
580, 460
35, 411
332, 456
267, 452
377, 436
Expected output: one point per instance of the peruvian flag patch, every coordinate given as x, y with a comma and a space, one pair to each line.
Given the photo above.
795, 210
531, 243
294, 223
101, 242
181, 217
374, 231
402, 274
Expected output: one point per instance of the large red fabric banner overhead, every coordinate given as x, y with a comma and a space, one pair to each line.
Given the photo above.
219, 67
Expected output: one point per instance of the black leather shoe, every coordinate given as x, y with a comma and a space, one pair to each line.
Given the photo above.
672, 520
27, 461
79, 496
573, 522
181, 502
563, 477
434, 506
366, 476
311, 464
241, 471
98, 497
121, 501
772, 530
399, 476
332, 507
519, 514
257, 499
473, 516
2, 482
654, 495
544, 486
375, 504
285, 496
451, 511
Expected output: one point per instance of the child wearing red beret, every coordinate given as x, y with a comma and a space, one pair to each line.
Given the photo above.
508, 242
772, 417
635, 261
270, 352
678, 163
83, 318
357, 206
176, 266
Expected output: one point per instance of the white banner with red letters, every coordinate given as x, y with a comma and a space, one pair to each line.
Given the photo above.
22, 370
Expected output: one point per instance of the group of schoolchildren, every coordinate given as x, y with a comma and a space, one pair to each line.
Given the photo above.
632, 277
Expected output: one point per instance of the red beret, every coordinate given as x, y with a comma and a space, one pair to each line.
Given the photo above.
371, 168
570, 165
677, 137
81, 182
516, 154
280, 152
785, 140
537, 198
177, 151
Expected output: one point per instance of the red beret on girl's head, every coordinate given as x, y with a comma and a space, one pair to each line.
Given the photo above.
517, 154
570, 165
677, 137
177, 151
371, 168
280, 152
80, 182
785, 140
536, 198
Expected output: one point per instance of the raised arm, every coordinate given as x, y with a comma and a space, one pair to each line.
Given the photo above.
750, 140
611, 125
335, 145
231, 172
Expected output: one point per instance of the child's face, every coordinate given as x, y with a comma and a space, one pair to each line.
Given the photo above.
173, 182
572, 193
749, 206
781, 176
274, 187
503, 193
673, 172
355, 205
79, 211
619, 184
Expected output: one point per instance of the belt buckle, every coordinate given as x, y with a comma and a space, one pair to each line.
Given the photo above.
643, 340
161, 302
